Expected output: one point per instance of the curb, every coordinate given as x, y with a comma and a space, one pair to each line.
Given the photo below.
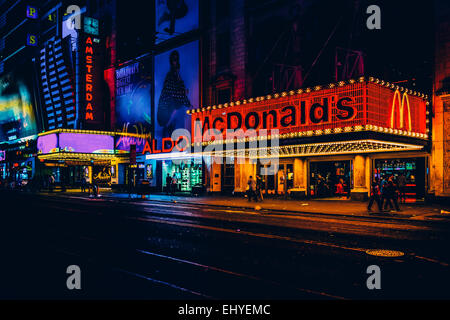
291, 212
274, 212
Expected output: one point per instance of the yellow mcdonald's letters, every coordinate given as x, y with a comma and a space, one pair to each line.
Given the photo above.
401, 106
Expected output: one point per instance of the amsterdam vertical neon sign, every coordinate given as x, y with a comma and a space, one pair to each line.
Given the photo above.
89, 80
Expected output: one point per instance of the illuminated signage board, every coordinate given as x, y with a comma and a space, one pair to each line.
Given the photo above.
92, 83
76, 143
167, 145
32, 12
133, 97
17, 116
2, 155
32, 40
177, 83
322, 110
124, 143
89, 80
86, 143
47, 144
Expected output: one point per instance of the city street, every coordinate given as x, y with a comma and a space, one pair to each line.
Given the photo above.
135, 249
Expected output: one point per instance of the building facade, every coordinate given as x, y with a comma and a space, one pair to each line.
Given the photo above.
107, 100
305, 143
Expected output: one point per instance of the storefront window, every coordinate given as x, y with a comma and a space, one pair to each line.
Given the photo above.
408, 173
185, 174
330, 179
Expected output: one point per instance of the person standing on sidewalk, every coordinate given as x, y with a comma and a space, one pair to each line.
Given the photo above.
51, 182
375, 196
83, 184
168, 184
174, 187
251, 193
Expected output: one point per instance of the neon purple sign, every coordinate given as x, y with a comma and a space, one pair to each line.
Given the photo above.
47, 144
86, 143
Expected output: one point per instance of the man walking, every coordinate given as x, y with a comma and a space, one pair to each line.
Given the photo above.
375, 196
401, 181
391, 195
251, 193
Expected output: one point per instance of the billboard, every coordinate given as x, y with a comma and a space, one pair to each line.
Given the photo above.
133, 98
17, 115
175, 17
176, 88
314, 112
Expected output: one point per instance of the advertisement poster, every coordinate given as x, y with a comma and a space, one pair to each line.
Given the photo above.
17, 115
133, 97
175, 17
176, 88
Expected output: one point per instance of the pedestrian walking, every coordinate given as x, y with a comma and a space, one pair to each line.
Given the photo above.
251, 192
259, 188
391, 195
401, 181
375, 196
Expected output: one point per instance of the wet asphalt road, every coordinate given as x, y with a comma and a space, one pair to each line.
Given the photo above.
133, 249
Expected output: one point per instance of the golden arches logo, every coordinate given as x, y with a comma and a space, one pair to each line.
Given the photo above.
401, 105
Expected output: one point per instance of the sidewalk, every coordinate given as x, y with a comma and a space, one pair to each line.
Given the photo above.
415, 211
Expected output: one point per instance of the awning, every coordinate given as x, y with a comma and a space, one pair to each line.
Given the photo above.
84, 157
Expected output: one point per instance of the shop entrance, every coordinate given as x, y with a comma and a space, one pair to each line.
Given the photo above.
330, 179
409, 174
278, 180
228, 176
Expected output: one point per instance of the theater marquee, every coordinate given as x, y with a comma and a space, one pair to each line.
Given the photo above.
362, 105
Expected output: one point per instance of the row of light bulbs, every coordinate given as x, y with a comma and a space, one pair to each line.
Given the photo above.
333, 148
106, 133
308, 90
311, 133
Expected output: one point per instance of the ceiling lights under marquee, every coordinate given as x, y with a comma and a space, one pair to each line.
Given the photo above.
316, 149
62, 156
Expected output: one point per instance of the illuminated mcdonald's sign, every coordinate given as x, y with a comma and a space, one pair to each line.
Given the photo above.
322, 110
401, 106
